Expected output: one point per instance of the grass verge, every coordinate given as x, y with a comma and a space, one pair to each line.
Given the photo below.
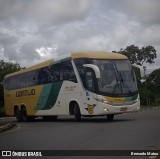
150, 106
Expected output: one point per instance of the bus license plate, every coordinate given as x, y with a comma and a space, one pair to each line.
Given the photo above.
124, 109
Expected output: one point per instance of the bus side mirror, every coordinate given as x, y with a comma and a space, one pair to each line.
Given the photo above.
139, 71
95, 68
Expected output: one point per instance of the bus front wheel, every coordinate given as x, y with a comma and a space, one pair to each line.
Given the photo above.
110, 117
77, 113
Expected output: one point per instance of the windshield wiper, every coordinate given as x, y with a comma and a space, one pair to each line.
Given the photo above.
132, 74
125, 84
117, 80
121, 79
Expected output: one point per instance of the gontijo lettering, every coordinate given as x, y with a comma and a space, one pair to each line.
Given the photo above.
25, 93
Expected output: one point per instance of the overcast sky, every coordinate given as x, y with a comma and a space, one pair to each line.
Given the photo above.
32, 31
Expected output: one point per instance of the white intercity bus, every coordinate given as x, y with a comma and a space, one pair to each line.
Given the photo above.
80, 84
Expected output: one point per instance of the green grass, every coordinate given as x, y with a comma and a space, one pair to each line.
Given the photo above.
150, 106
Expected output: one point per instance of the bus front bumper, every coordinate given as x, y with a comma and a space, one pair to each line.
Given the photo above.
104, 109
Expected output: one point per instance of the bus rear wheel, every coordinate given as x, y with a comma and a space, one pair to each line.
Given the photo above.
17, 114
110, 117
24, 114
77, 113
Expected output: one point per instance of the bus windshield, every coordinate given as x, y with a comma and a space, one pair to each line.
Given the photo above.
116, 77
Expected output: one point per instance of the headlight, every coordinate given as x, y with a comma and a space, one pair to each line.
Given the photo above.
102, 100
138, 99
106, 110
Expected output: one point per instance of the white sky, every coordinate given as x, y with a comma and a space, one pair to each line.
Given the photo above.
32, 31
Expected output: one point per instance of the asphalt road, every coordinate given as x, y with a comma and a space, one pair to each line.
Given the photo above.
134, 131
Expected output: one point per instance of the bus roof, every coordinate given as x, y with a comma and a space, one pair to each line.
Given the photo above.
34, 67
74, 55
98, 55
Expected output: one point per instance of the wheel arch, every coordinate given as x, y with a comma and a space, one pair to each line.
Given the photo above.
23, 106
15, 107
17, 113
71, 106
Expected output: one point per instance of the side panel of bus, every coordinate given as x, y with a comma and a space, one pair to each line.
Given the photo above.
27, 97
51, 98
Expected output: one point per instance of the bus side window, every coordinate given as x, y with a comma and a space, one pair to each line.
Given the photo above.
11, 83
42, 76
67, 71
48, 74
30, 78
6, 84
89, 80
21, 82
54, 73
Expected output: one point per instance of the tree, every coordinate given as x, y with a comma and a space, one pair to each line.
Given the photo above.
6, 68
139, 55
147, 97
153, 82
150, 89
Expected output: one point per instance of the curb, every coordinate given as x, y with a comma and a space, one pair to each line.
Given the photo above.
7, 127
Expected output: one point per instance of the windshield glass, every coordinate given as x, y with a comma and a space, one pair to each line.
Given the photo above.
116, 76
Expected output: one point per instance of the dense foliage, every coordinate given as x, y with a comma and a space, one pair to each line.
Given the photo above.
150, 89
138, 55
6, 68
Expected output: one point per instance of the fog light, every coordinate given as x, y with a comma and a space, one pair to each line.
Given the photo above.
105, 109
138, 107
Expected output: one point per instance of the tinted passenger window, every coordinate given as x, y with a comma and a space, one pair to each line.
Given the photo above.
42, 76
13, 82
54, 73
21, 82
67, 72
7, 83
30, 79
10, 83
48, 74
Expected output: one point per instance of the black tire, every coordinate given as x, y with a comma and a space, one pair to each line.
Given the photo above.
17, 114
50, 118
110, 117
31, 118
77, 113
24, 114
